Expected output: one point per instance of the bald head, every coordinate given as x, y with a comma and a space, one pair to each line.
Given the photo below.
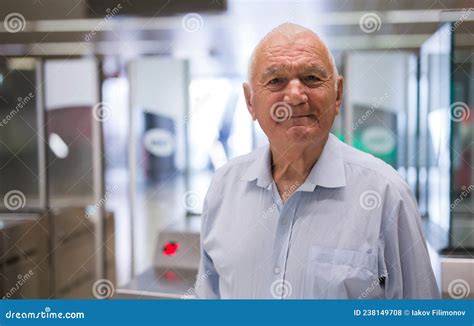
287, 33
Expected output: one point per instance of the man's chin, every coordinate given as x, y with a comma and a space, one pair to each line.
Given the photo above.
302, 133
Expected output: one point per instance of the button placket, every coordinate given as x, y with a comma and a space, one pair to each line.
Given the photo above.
282, 238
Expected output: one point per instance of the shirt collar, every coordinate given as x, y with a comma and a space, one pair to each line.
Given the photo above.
328, 171
260, 168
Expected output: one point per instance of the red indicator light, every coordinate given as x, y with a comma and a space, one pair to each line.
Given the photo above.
170, 276
170, 248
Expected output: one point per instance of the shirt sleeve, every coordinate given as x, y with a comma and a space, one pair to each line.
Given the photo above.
207, 280
409, 274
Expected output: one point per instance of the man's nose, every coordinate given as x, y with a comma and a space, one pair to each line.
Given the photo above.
295, 93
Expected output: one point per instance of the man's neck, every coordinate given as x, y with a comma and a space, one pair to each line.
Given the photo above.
291, 164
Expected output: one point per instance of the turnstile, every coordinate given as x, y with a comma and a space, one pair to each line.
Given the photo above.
175, 267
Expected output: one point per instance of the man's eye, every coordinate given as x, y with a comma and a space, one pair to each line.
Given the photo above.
312, 79
275, 81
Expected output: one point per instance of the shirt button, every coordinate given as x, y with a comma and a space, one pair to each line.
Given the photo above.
284, 221
277, 270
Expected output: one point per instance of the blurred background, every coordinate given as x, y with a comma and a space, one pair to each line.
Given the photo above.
115, 114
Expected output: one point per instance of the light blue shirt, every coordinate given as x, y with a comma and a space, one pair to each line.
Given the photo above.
351, 230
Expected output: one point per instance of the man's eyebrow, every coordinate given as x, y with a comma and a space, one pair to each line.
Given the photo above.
271, 71
318, 69
311, 68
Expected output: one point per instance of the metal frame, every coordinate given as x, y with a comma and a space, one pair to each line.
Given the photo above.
99, 180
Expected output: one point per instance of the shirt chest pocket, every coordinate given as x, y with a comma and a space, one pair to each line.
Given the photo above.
341, 274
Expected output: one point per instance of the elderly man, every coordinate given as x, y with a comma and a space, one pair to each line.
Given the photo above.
308, 216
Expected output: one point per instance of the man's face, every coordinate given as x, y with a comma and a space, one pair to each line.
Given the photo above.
293, 94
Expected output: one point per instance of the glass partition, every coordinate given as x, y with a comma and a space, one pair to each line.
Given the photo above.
72, 102
446, 133
21, 135
434, 158
462, 131
158, 162
378, 99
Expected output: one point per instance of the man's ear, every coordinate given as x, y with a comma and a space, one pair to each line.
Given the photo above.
248, 100
339, 92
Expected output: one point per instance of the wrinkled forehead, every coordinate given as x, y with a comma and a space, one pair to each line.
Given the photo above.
302, 49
